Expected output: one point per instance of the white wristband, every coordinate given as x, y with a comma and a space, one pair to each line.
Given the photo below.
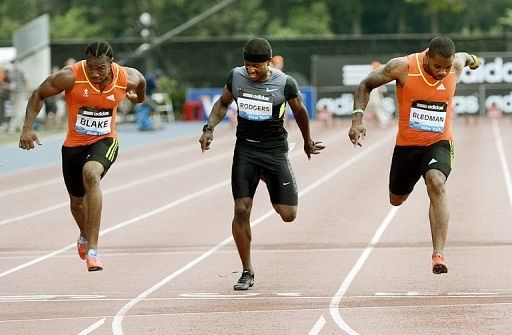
358, 111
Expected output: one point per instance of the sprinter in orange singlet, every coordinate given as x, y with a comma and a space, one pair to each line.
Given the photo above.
425, 85
93, 87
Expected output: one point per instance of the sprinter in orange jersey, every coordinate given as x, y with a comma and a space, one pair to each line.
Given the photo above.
425, 85
93, 87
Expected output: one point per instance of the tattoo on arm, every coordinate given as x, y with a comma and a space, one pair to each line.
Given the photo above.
376, 78
382, 75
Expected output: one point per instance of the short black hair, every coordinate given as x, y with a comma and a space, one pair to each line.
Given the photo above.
257, 49
98, 49
441, 46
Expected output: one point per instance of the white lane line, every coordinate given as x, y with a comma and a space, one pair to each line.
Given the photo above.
259, 311
335, 303
188, 251
113, 189
503, 159
50, 297
47, 319
152, 315
318, 326
122, 224
121, 164
37, 260
31, 187
11, 302
184, 168
34, 213
436, 294
118, 319
92, 327
266, 296
138, 218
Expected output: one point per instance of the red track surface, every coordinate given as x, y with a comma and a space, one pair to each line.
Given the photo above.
348, 264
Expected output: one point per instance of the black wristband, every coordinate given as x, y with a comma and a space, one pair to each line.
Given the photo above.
207, 127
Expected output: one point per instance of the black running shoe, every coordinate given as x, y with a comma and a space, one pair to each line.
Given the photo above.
245, 281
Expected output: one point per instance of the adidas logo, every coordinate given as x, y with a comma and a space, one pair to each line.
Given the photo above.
113, 98
441, 87
432, 161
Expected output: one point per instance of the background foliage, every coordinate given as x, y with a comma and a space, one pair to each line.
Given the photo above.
72, 19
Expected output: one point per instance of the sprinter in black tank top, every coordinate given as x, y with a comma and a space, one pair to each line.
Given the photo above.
261, 150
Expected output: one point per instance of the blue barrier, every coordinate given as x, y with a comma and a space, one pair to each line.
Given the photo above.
208, 96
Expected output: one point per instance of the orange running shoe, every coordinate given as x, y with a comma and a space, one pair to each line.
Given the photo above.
92, 261
81, 247
438, 264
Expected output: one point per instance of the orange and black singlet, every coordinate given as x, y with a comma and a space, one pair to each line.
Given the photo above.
425, 106
92, 113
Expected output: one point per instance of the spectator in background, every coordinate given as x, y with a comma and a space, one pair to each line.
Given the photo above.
493, 111
376, 101
55, 109
18, 96
277, 62
4, 96
150, 84
324, 115
70, 61
147, 118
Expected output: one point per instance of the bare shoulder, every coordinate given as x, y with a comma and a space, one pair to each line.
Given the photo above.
63, 79
394, 69
459, 61
133, 73
460, 57
226, 97
397, 66
397, 69
134, 77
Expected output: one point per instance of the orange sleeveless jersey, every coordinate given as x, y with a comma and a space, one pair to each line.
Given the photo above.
91, 113
425, 106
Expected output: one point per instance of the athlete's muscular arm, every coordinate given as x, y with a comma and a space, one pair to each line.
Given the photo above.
392, 70
301, 117
136, 88
219, 110
395, 69
462, 59
62, 80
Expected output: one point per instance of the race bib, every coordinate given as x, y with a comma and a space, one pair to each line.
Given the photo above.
255, 105
428, 116
90, 121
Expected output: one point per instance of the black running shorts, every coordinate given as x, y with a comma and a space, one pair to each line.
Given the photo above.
250, 165
73, 159
412, 162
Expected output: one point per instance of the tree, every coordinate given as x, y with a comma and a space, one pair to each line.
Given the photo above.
74, 24
347, 16
270, 18
435, 8
14, 14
